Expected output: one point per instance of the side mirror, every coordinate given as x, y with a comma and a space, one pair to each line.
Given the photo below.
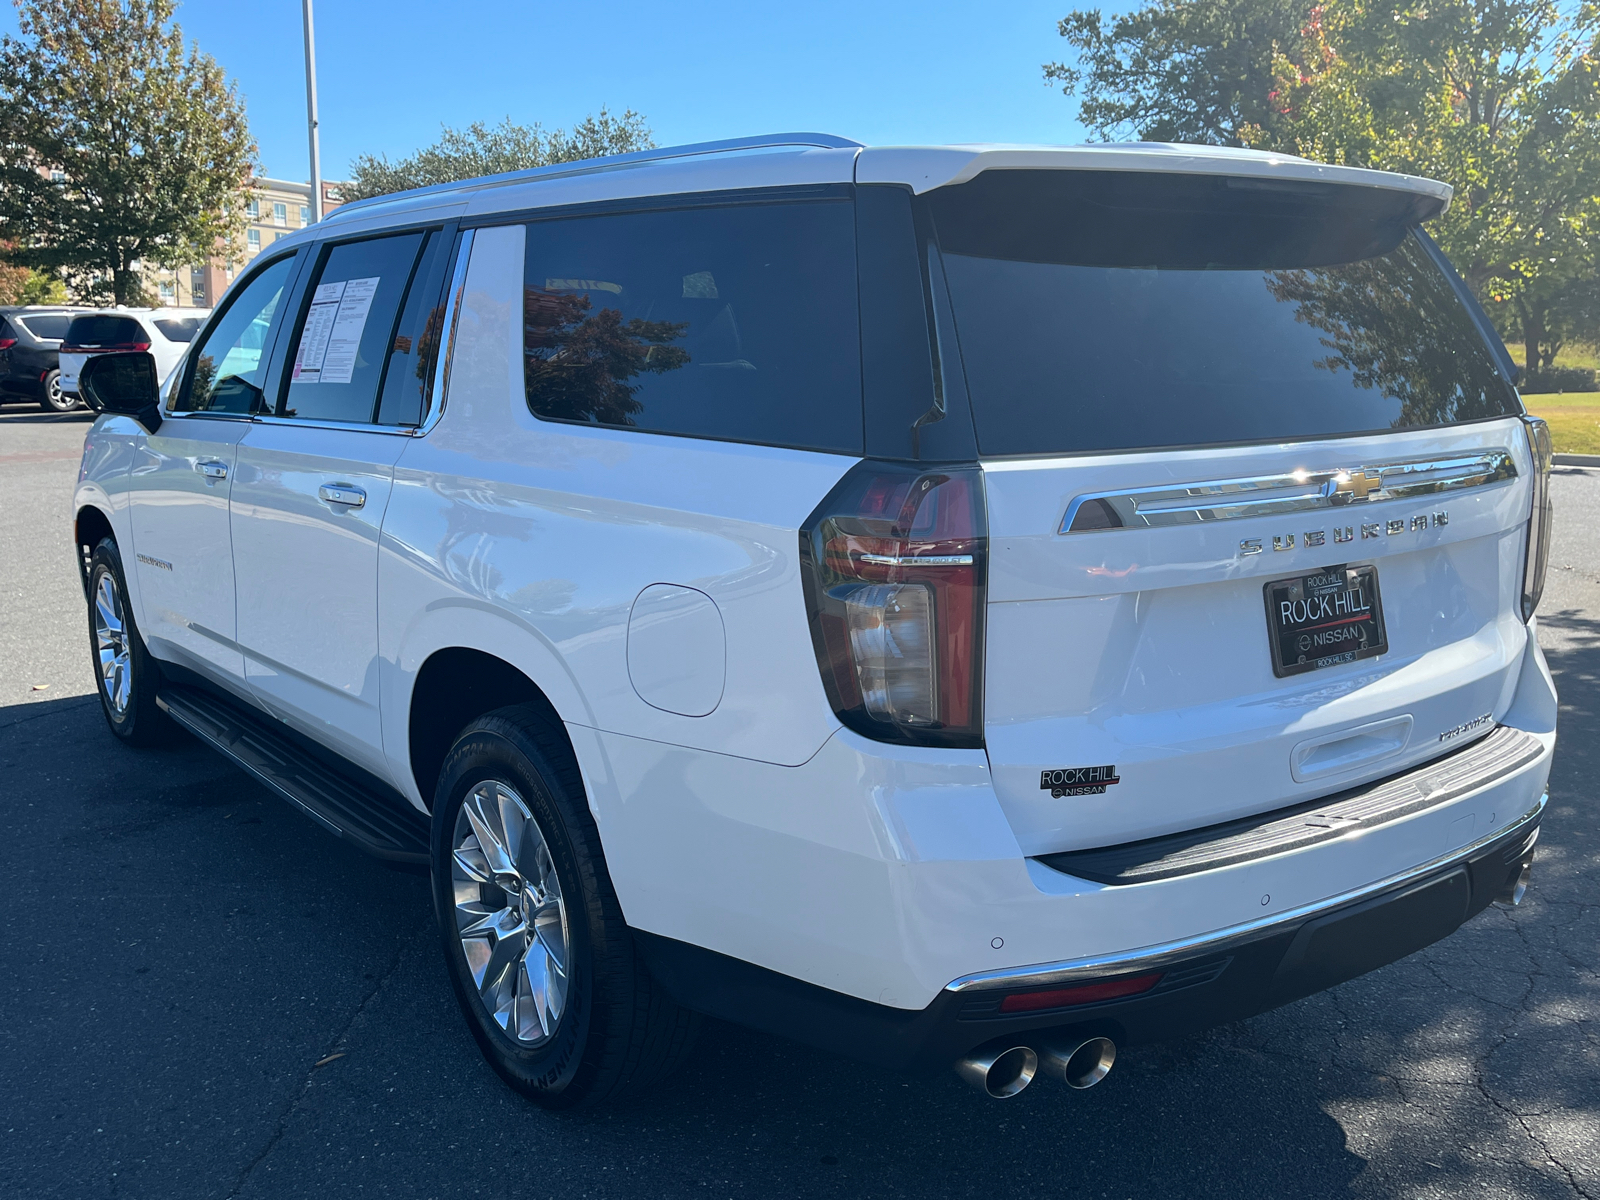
122, 383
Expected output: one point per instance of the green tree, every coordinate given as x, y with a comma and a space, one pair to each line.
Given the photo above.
481, 149
1501, 99
1178, 70
120, 148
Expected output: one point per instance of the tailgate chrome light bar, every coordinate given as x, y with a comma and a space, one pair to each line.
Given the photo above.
1272, 495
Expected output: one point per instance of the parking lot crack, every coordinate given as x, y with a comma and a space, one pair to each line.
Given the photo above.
334, 1048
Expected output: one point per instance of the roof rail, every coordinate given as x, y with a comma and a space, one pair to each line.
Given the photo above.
824, 141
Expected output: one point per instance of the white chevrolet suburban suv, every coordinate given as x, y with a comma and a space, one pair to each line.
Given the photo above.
971, 605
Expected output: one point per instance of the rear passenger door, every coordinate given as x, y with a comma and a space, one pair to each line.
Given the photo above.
313, 481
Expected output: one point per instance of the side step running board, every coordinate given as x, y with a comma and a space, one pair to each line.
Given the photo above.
385, 826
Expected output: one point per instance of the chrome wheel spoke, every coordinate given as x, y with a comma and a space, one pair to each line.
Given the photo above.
510, 914
111, 644
482, 811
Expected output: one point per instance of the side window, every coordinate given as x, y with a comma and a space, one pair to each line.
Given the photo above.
229, 363
734, 322
348, 327
409, 375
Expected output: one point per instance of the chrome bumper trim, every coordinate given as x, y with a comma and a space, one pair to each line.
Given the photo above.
1150, 958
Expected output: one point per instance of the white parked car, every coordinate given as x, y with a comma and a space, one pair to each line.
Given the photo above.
963, 605
163, 333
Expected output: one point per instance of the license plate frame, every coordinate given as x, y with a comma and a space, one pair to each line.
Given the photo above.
1324, 618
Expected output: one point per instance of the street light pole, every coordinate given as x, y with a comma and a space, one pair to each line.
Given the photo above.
311, 114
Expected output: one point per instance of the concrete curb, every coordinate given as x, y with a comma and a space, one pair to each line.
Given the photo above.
1577, 460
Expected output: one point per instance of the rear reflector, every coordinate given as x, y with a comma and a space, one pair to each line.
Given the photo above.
1083, 993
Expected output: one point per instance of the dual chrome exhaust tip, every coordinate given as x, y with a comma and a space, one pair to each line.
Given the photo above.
1002, 1071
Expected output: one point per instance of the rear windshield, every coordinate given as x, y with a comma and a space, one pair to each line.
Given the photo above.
48, 326
178, 329
1116, 310
97, 331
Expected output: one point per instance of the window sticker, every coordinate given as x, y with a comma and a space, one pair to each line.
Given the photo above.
332, 334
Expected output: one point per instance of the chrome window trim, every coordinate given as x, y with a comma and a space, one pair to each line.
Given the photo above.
438, 393
1295, 491
315, 423
1151, 958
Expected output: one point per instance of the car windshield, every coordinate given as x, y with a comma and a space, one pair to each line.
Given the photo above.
1105, 311
178, 329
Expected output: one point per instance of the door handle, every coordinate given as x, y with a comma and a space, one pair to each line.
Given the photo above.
342, 493
212, 470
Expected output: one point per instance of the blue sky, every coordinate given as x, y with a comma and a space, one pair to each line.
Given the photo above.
391, 72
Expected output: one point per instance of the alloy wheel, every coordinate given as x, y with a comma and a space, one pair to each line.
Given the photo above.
111, 644
510, 915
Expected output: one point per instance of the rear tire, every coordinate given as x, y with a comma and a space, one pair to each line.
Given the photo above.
126, 676
53, 399
541, 961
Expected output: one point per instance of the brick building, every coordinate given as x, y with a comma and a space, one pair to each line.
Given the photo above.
275, 209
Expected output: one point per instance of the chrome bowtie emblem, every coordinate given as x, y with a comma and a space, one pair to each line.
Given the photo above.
1347, 486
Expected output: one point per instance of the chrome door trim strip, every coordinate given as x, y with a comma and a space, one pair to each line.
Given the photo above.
447, 337
1151, 958
1272, 495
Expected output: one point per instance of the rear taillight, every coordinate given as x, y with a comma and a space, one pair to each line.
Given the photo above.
894, 572
7, 343
1537, 557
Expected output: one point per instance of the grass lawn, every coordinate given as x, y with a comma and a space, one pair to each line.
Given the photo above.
1574, 419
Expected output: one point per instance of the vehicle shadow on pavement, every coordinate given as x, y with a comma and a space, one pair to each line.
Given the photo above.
207, 995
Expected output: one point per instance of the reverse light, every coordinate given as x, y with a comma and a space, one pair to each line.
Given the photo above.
1537, 557
894, 564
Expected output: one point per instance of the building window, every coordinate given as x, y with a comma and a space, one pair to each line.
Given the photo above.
305, 214
252, 239
169, 291
280, 214
252, 209
197, 285
57, 175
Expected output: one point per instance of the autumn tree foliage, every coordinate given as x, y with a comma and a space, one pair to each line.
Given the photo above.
1499, 98
121, 146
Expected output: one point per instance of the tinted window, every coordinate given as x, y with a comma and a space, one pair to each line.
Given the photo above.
52, 327
230, 364
407, 380
178, 329
728, 322
1103, 311
347, 330
95, 332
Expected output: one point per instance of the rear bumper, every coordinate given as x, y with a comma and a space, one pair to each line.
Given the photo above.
1204, 981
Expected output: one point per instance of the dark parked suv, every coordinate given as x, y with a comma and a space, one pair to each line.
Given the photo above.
30, 346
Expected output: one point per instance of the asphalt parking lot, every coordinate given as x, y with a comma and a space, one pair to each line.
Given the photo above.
203, 995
